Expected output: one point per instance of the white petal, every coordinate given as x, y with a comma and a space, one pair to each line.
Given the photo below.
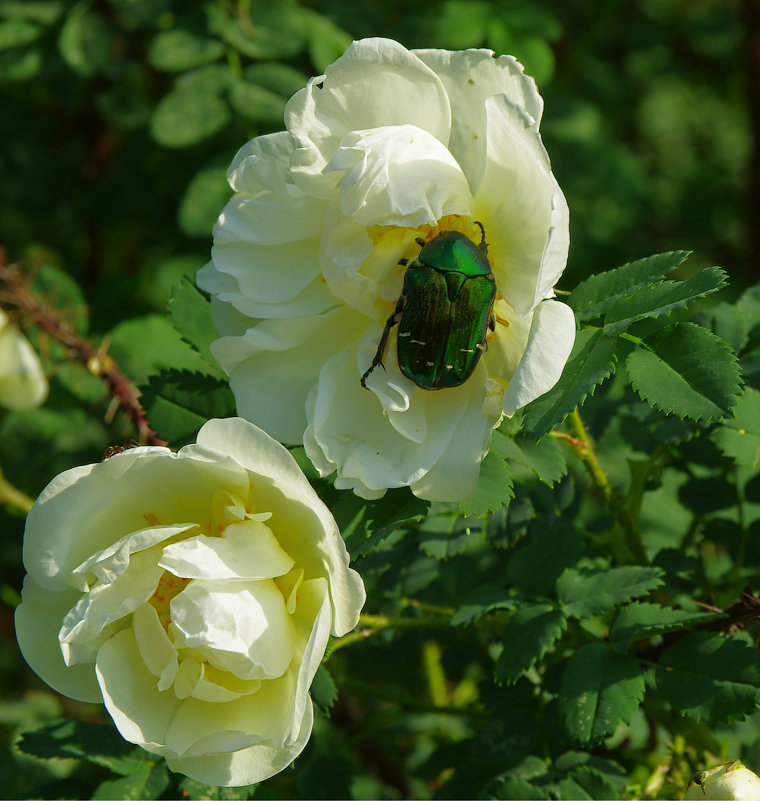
302, 524
375, 82
141, 713
349, 430
246, 551
247, 765
506, 348
107, 603
269, 273
38, 620
470, 77
86, 509
156, 649
398, 175
273, 366
552, 334
261, 165
518, 202
238, 626
109, 563
22, 381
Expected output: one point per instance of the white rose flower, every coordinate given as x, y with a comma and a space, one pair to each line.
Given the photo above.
192, 592
389, 146
730, 782
22, 380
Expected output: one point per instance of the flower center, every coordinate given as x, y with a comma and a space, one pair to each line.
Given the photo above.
169, 586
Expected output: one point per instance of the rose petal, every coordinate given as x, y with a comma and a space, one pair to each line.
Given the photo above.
551, 339
247, 550
169, 487
301, 522
111, 562
246, 765
242, 627
107, 603
515, 202
470, 77
275, 364
398, 175
38, 620
375, 82
156, 649
141, 712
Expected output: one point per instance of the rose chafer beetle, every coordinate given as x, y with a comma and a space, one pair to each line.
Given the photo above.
444, 312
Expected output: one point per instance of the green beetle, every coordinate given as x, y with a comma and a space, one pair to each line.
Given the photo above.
443, 313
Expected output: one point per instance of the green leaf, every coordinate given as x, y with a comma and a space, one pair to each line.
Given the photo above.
482, 600
86, 41
269, 31
190, 314
149, 779
514, 787
197, 791
17, 32
257, 103
599, 690
327, 41
545, 457
46, 12
193, 110
710, 677
20, 64
79, 739
178, 50
587, 782
587, 592
144, 345
739, 438
282, 79
494, 489
204, 198
365, 524
592, 360
177, 403
531, 632
552, 545
323, 690
662, 298
686, 370
445, 535
594, 296
638, 621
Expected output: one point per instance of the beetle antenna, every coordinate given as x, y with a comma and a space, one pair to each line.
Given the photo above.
403, 262
483, 246
420, 241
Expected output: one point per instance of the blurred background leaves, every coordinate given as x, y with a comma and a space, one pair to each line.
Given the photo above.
119, 119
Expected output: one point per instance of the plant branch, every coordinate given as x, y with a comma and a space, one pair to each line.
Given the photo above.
96, 360
586, 452
13, 496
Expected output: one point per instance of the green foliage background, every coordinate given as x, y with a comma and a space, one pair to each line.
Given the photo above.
119, 118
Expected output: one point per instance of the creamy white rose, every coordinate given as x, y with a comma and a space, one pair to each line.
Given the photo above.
194, 593
22, 382
390, 145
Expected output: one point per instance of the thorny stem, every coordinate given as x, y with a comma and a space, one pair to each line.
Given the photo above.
587, 453
14, 497
17, 294
372, 624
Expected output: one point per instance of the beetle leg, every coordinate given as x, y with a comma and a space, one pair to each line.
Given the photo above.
492, 322
394, 319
